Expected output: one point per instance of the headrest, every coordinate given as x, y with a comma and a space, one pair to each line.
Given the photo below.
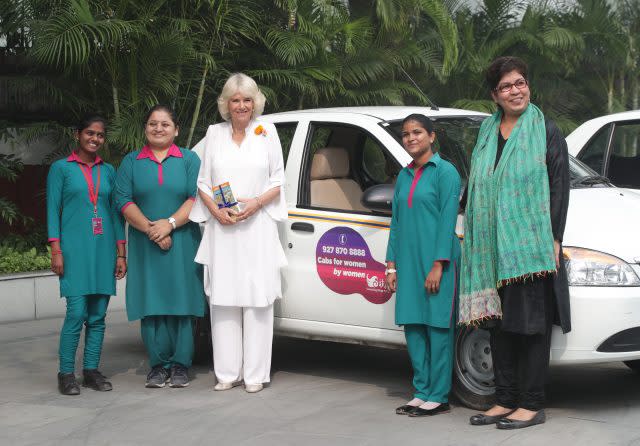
330, 162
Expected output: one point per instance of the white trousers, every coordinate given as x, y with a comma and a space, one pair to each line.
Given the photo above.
242, 340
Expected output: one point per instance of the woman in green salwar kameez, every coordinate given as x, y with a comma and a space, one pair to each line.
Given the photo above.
422, 261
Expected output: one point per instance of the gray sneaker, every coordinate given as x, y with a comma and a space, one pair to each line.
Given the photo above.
179, 376
157, 377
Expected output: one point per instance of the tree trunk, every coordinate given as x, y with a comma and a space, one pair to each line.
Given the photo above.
610, 89
116, 101
196, 111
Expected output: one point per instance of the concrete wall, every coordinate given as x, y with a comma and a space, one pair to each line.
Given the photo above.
30, 296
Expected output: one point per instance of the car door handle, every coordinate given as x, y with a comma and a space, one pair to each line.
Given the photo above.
305, 227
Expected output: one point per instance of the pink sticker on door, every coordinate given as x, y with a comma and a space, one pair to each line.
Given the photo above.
345, 265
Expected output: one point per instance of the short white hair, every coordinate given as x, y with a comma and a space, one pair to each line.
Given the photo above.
240, 83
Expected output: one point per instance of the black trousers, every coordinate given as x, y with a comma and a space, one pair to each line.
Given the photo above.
521, 360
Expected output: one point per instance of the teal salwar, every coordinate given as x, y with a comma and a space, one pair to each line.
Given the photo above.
431, 353
168, 340
89, 311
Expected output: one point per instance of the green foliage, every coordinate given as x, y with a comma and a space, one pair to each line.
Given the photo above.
24, 253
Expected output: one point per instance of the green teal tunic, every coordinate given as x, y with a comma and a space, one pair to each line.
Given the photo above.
161, 283
89, 260
425, 209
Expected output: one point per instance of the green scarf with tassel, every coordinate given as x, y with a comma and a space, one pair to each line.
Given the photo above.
507, 233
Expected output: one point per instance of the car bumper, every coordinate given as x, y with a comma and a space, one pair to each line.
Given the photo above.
605, 324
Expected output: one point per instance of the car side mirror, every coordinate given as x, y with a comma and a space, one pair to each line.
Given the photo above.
378, 197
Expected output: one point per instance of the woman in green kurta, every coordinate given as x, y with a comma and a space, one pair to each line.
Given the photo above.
86, 235
422, 261
155, 190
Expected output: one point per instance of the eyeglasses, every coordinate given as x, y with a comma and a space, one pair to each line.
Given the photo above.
506, 88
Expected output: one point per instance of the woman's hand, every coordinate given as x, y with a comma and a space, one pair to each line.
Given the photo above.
159, 229
392, 282
225, 216
57, 264
251, 206
432, 284
556, 250
121, 267
165, 244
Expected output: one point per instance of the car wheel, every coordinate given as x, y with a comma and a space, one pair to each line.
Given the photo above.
473, 369
202, 350
633, 365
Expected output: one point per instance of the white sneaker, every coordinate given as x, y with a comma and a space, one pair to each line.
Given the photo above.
253, 388
224, 386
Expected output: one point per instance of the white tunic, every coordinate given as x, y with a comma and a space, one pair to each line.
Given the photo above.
242, 261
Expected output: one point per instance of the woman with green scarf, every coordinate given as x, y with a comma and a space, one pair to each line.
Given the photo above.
512, 277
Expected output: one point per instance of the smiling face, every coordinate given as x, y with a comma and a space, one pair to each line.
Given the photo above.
91, 138
514, 101
240, 109
416, 140
160, 130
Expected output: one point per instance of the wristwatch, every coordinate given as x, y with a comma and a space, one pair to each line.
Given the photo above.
389, 271
172, 221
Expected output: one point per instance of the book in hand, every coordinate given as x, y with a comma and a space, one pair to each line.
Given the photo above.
223, 197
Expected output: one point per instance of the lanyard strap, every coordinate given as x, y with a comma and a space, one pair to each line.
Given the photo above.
93, 192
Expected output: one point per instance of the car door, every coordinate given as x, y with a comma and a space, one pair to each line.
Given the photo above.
335, 247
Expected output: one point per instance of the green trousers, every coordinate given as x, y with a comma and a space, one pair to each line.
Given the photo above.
90, 311
431, 353
168, 339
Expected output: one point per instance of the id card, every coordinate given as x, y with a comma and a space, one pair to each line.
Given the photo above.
96, 224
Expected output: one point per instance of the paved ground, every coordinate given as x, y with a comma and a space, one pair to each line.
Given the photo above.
321, 394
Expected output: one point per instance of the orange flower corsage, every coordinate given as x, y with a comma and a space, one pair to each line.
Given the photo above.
260, 131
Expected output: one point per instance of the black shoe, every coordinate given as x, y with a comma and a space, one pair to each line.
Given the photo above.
179, 376
506, 423
442, 408
95, 380
481, 419
157, 377
67, 384
405, 410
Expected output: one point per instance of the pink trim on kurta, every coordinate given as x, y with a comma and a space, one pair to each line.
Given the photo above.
53, 240
192, 198
74, 157
126, 205
146, 152
121, 242
414, 183
455, 290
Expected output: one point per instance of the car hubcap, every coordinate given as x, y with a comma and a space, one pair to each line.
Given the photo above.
474, 366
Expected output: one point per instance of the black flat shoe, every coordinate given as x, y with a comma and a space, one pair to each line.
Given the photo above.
405, 410
95, 380
67, 384
507, 423
481, 419
442, 408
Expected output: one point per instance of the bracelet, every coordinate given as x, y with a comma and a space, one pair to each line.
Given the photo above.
122, 257
258, 200
390, 271
55, 252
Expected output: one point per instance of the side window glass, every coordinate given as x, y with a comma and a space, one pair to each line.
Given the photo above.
286, 130
593, 154
624, 163
378, 166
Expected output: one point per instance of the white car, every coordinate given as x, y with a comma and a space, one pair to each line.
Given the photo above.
341, 164
610, 145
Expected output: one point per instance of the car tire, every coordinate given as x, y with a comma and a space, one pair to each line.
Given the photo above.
633, 365
202, 349
473, 369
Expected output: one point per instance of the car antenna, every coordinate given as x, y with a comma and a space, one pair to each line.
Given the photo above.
431, 103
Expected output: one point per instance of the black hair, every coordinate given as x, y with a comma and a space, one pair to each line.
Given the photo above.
501, 66
424, 122
164, 108
89, 119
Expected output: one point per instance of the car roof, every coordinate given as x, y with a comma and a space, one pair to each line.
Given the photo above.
579, 137
386, 113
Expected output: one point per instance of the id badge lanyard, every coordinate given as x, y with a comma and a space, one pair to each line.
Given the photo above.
96, 222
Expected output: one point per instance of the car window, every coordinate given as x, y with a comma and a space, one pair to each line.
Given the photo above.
594, 151
286, 131
624, 162
341, 162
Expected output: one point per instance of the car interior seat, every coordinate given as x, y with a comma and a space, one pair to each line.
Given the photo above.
331, 186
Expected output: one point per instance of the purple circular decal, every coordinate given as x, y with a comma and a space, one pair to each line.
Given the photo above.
345, 265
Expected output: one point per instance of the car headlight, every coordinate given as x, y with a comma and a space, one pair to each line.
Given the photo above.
593, 268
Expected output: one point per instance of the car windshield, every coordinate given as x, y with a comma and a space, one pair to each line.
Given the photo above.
456, 137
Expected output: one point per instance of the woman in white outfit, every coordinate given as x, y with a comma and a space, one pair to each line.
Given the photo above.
241, 252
